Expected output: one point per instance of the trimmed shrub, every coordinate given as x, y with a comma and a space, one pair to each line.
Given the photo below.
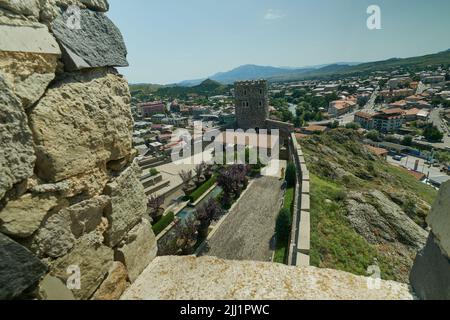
283, 225
202, 189
163, 223
291, 175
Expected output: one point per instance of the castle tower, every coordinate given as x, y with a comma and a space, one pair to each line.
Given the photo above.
252, 104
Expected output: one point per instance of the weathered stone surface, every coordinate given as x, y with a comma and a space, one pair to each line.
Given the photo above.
28, 74
98, 43
167, 278
82, 122
439, 219
25, 7
53, 289
93, 259
128, 204
138, 249
17, 157
430, 275
114, 285
22, 217
97, 5
19, 269
59, 233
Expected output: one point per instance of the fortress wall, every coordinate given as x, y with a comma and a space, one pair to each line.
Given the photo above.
71, 204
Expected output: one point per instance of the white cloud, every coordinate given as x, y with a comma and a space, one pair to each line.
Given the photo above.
272, 14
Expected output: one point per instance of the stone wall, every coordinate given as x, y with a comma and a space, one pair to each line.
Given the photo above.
70, 196
252, 104
430, 276
300, 244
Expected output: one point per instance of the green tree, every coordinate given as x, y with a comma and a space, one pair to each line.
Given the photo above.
373, 135
407, 140
432, 133
291, 175
353, 126
283, 225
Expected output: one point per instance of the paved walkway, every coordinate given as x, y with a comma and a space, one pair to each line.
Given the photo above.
248, 231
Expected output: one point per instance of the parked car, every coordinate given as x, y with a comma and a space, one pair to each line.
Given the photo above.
398, 158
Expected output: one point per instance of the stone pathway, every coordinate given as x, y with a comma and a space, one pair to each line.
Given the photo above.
248, 231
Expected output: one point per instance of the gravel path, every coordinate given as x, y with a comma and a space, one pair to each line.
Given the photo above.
248, 231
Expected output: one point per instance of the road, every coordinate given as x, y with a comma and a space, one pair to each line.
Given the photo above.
369, 107
409, 163
436, 119
248, 231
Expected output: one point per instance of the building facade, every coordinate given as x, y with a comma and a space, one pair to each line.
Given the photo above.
251, 104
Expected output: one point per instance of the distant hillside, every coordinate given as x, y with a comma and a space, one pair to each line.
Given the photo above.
414, 63
363, 208
207, 88
141, 92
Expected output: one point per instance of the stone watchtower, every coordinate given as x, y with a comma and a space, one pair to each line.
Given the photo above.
252, 104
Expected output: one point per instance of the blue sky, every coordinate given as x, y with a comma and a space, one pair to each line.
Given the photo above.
173, 40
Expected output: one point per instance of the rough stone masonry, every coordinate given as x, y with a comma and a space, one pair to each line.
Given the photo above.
70, 198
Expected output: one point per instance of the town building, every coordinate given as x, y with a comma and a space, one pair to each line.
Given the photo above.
388, 120
340, 107
149, 109
364, 119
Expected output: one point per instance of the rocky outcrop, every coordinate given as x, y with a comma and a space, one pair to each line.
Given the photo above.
19, 269
430, 276
166, 279
97, 45
377, 218
69, 191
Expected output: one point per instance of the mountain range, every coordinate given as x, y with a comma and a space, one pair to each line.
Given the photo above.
255, 72
278, 74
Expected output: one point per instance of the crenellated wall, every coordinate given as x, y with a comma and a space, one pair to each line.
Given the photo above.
70, 197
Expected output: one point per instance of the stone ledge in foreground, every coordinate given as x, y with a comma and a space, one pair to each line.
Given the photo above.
208, 278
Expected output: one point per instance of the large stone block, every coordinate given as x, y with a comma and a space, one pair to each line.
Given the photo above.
19, 269
17, 156
83, 122
430, 275
59, 233
128, 204
304, 238
93, 261
22, 217
29, 37
138, 249
439, 219
97, 43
